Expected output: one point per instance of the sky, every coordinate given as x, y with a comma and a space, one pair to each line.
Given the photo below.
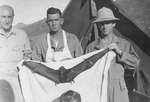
30, 11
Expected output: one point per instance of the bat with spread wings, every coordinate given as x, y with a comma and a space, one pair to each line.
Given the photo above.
63, 75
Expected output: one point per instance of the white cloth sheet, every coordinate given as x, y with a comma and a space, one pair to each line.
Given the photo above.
91, 84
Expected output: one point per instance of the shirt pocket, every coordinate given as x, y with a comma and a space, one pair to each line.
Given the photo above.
17, 48
17, 53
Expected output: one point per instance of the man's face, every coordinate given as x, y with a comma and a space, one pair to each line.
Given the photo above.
106, 27
6, 18
54, 22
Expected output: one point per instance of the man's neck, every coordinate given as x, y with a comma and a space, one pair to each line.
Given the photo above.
108, 37
6, 32
57, 34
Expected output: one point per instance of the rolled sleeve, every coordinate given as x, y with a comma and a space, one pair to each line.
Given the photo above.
36, 53
27, 49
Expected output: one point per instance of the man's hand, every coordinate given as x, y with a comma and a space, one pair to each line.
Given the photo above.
114, 47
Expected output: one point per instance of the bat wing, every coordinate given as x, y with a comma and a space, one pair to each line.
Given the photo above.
84, 65
42, 70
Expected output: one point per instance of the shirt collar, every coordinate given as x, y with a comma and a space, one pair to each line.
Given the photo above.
67, 35
115, 39
99, 43
10, 33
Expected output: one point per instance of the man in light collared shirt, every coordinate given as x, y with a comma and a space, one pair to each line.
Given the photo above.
14, 46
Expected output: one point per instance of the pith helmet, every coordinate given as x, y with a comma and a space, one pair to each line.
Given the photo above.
105, 14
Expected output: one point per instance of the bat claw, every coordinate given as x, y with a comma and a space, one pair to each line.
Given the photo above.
56, 83
72, 81
89, 61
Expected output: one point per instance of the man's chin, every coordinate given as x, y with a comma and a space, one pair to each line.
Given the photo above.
106, 33
7, 28
54, 31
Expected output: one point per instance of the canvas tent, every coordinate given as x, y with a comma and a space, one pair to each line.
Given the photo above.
79, 15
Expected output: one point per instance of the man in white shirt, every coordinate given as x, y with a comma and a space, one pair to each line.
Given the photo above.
14, 46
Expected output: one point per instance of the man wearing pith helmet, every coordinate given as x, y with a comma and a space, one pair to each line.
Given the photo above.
125, 56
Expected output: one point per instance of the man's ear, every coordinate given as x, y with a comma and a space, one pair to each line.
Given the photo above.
114, 24
62, 21
46, 22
